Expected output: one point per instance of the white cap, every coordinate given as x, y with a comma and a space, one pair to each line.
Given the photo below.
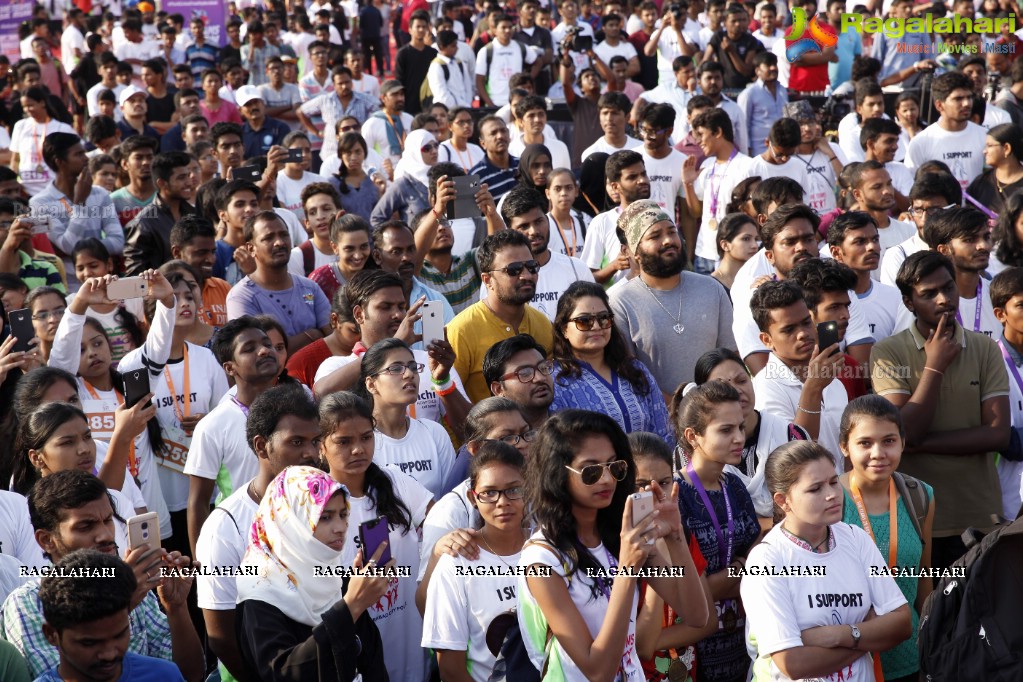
246, 94
129, 92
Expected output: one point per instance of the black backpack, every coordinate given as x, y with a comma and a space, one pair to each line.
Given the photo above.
970, 627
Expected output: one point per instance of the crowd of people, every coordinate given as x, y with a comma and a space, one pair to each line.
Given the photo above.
501, 341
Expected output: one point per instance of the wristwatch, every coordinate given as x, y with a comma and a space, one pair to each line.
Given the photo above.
855, 636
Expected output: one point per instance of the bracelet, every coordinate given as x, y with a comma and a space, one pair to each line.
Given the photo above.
804, 410
443, 387
309, 335
442, 381
436, 215
936, 371
446, 391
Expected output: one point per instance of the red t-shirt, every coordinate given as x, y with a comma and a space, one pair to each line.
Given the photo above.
852, 378
304, 363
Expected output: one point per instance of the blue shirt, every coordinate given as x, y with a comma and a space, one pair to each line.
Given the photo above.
896, 55
258, 142
499, 181
760, 109
850, 45
134, 668
201, 58
302, 307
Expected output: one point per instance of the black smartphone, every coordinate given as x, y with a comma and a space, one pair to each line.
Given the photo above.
136, 386
295, 155
464, 205
22, 329
373, 533
827, 335
250, 173
582, 43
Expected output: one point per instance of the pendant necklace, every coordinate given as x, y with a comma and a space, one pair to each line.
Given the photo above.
678, 327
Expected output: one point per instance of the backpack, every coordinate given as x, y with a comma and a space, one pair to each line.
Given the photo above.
488, 55
914, 496
426, 92
308, 256
970, 626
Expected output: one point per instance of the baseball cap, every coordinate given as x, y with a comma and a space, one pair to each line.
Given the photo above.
130, 92
391, 85
246, 94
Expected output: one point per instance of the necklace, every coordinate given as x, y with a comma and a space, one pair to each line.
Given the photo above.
678, 327
483, 537
252, 491
813, 548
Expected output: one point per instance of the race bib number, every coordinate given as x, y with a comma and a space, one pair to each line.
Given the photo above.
101, 417
175, 449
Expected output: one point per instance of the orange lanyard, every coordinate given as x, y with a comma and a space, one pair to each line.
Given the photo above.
133, 462
893, 518
187, 398
39, 145
564, 240
395, 128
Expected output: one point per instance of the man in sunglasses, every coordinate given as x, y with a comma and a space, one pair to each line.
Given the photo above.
667, 316
509, 272
519, 369
523, 211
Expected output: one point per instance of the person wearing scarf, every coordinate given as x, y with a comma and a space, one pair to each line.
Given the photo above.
593, 198
408, 196
535, 168
296, 621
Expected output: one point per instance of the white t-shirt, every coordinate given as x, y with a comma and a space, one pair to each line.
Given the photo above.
968, 308
793, 169
666, 185
374, 131
993, 116
574, 236
219, 451
467, 160
849, 139
774, 432
962, 151
449, 512
531, 619
602, 246
768, 41
296, 263
560, 158
902, 177
897, 232
623, 49
714, 185
395, 613
884, 311
460, 608
17, 537
605, 147
222, 543
552, 281
289, 192
27, 142
820, 192
779, 608
668, 48
425, 454
893, 258
71, 39
368, 85
504, 61
92, 99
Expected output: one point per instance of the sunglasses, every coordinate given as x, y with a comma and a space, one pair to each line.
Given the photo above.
584, 323
432, 147
592, 474
515, 269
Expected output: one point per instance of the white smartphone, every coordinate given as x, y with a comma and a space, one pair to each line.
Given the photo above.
433, 322
144, 531
642, 507
127, 287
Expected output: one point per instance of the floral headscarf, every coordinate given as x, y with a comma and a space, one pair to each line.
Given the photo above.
285, 552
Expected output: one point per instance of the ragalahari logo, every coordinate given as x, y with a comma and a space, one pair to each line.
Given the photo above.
821, 35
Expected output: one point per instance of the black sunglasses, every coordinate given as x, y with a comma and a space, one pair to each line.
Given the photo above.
515, 269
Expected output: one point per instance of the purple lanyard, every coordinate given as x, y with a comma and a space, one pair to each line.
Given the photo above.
1011, 365
976, 317
725, 551
602, 584
714, 190
243, 408
984, 209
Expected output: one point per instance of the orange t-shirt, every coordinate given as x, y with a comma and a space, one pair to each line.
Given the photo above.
214, 301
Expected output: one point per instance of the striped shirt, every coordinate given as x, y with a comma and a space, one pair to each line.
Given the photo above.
37, 272
460, 286
499, 181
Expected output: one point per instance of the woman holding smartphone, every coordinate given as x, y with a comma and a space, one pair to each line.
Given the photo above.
347, 424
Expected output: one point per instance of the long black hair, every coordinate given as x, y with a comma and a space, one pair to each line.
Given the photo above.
38, 428
547, 495
340, 407
1010, 248
373, 362
97, 250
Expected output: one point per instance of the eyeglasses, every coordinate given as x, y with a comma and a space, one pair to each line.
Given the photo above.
527, 374
49, 314
665, 483
592, 474
929, 210
492, 496
432, 147
515, 269
400, 367
584, 323
516, 438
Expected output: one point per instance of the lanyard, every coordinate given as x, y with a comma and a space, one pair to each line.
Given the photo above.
133, 463
466, 166
400, 135
35, 136
893, 518
1011, 365
187, 396
604, 584
976, 317
564, 240
714, 190
243, 408
724, 551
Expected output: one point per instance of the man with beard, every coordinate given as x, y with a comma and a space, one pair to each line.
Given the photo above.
134, 107
93, 213
523, 211
148, 234
789, 237
296, 302
72, 510
668, 317
874, 194
220, 456
381, 311
953, 399
963, 235
603, 253
519, 369
509, 273
193, 239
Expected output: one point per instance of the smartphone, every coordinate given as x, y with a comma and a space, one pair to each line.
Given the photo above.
827, 335
373, 533
582, 43
22, 329
464, 205
250, 173
642, 507
295, 155
40, 224
433, 322
144, 531
136, 386
127, 287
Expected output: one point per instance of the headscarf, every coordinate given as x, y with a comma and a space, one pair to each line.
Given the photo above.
593, 198
285, 552
530, 154
411, 162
